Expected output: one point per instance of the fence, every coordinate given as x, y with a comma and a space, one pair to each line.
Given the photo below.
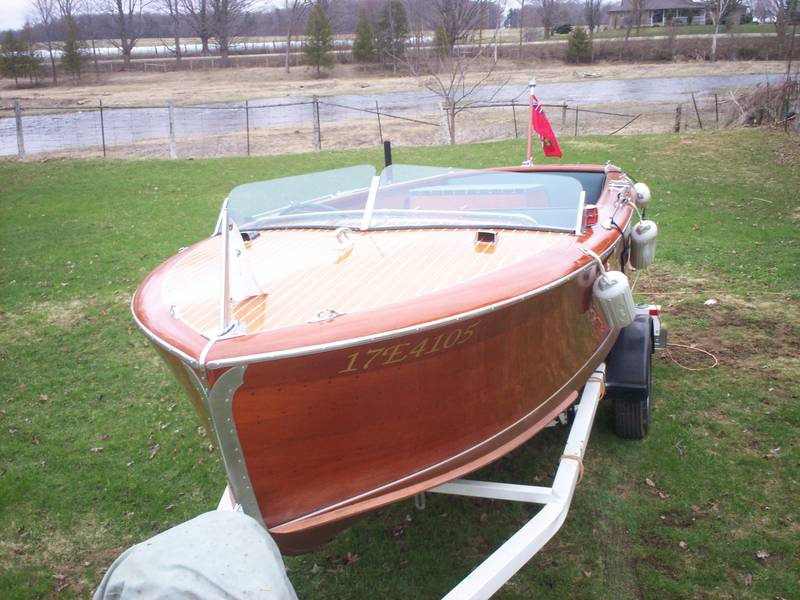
277, 127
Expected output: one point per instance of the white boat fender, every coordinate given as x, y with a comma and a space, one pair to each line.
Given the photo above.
612, 292
613, 295
641, 194
643, 244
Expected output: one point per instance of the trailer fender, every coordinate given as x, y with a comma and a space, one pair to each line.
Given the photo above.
628, 363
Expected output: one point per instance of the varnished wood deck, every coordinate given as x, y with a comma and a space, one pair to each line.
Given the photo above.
303, 271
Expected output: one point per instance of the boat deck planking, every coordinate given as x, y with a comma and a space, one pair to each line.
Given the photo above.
381, 267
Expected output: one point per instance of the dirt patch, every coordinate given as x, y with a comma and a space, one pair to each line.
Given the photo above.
64, 315
759, 332
70, 557
788, 154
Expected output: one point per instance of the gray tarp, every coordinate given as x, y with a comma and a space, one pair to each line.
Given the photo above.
217, 555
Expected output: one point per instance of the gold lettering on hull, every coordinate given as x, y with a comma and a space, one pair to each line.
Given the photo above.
395, 354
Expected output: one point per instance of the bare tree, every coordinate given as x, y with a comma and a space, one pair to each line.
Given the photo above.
198, 17
295, 10
417, 17
521, 24
46, 13
591, 12
763, 10
457, 80
498, 24
90, 23
548, 12
226, 19
718, 10
127, 18
68, 9
635, 17
786, 13
457, 18
173, 9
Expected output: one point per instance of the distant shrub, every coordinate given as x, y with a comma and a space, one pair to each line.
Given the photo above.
579, 46
649, 50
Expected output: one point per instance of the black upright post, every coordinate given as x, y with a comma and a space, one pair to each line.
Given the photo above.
387, 153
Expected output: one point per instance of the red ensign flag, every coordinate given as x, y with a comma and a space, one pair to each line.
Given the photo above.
541, 126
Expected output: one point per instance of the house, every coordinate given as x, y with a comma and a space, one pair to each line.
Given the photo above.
659, 13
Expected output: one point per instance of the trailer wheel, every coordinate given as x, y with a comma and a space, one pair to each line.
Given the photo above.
632, 412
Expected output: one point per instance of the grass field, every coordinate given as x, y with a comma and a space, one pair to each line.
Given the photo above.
688, 30
99, 450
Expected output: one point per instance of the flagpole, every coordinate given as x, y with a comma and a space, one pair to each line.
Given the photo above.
225, 301
532, 88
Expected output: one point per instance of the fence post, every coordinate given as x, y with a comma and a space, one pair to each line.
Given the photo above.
575, 134
317, 132
697, 112
173, 151
247, 123
102, 129
20, 138
378, 112
563, 115
514, 111
677, 127
716, 109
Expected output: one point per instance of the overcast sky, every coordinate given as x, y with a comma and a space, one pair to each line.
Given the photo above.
13, 12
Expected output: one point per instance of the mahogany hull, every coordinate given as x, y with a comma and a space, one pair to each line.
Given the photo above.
330, 436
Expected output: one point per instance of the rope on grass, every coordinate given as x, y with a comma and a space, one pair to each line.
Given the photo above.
579, 459
696, 349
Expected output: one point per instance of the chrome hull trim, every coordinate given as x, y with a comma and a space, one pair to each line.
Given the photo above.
161, 343
219, 405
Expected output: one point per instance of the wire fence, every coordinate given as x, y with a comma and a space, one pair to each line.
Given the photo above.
277, 127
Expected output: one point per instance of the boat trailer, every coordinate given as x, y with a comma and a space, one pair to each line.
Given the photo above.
500, 566
509, 558
626, 376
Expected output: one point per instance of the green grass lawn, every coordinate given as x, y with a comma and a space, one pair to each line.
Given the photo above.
99, 449
686, 30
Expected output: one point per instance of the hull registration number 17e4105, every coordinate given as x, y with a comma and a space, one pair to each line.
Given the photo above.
396, 354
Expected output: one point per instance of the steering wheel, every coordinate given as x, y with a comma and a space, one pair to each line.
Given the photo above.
307, 207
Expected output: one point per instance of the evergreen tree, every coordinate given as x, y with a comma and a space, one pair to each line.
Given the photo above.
14, 58
73, 55
441, 45
579, 47
318, 45
364, 44
32, 62
392, 32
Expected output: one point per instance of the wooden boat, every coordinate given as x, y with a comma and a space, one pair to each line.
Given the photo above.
352, 341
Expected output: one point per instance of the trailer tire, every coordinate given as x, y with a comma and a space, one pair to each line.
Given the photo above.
631, 418
632, 413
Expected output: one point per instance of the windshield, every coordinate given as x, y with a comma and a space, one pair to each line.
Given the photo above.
302, 200
410, 197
